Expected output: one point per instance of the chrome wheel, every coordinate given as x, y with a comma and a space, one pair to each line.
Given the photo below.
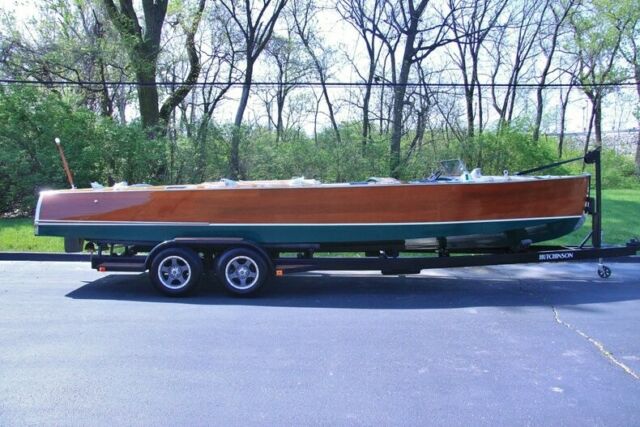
174, 272
242, 272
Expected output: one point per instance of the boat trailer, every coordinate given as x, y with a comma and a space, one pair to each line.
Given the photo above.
306, 259
176, 266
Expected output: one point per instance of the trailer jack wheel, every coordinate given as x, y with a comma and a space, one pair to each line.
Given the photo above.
604, 271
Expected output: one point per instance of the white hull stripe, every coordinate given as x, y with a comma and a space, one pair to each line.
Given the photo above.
273, 224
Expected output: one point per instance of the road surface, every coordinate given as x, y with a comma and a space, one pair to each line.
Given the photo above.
536, 345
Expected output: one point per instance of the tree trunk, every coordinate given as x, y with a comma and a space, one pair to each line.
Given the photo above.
399, 93
365, 114
236, 137
480, 109
597, 114
332, 116
315, 120
513, 98
563, 118
469, 98
201, 143
588, 139
325, 95
469, 87
194, 70
539, 106
106, 102
321, 75
121, 102
280, 121
366, 126
396, 124
143, 48
148, 97
543, 80
381, 129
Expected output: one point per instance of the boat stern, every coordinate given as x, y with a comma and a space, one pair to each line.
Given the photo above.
36, 219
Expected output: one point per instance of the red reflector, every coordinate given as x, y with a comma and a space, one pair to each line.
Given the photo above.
279, 273
102, 269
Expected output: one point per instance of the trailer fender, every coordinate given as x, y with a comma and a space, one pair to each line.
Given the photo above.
205, 244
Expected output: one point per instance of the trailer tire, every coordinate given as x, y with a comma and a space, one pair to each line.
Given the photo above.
242, 271
176, 271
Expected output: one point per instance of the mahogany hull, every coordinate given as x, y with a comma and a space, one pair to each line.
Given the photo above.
536, 208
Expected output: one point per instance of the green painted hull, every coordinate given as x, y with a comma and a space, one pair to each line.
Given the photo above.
510, 232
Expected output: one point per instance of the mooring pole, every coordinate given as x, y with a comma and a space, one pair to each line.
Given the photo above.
65, 165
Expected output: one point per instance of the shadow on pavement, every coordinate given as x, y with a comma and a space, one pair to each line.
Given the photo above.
372, 292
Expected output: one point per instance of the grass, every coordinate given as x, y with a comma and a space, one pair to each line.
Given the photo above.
621, 221
16, 235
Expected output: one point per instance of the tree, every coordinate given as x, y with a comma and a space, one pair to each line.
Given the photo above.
219, 60
143, 46
289, 69
559, 14
630, 50
471, 24
526, 21
420, 100
254, 21
564, 102
420, 34
73, 45
303, 12
365, 17
596, 42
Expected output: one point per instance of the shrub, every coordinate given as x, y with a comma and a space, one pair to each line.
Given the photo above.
97, 148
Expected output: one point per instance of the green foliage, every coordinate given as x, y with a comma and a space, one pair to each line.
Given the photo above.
617, 171
598, 28
263, 157
97, 148
510, 149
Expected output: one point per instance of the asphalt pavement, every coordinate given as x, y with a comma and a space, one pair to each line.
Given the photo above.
512, 345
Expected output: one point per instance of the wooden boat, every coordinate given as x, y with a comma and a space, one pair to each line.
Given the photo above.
245, 232
484, 211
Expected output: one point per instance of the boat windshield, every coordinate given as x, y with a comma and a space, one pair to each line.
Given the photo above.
453, 167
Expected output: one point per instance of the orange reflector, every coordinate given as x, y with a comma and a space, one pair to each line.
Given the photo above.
279, 273
102, 269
